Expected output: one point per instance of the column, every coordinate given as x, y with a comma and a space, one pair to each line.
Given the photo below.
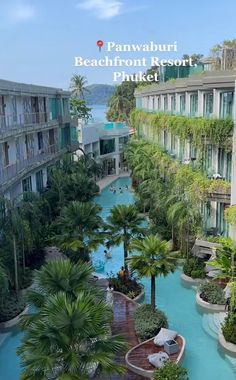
200, 103
216, 103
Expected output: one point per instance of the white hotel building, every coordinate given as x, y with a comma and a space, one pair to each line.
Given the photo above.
35, 131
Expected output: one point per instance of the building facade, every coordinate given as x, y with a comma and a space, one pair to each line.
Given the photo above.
35, 131
210, 95
105, 142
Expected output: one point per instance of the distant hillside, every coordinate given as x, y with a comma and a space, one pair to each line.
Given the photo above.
99, 93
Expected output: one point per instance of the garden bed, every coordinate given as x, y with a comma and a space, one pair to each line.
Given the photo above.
130, 287
11, 309
148, 322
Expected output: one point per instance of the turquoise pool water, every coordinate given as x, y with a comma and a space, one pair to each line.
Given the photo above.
202, 357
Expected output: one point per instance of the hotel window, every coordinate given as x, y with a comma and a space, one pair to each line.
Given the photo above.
172, 142
182, 104
27, 185
229, 167
159, 103
208, 158
165, 140
221, 161
40, 140
165, 103
39, 181
226, 104
6, 153
208, 104
173, 103
51, 137
107, 146
193, 104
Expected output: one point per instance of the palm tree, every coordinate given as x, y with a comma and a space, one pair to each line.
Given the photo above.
70, 340
59, 276
123, 224
79, 228
120, 104
183, 216
69, 335
78, 85
151, 260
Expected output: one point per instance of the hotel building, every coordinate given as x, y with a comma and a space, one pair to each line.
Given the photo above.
35, 131
206, 95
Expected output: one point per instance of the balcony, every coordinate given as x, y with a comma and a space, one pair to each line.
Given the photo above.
27, 122
15, 172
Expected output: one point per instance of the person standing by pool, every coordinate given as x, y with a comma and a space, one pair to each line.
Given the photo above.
122, 273
109, 296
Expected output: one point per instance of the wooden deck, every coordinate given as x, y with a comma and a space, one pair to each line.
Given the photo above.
137, 357
123, 324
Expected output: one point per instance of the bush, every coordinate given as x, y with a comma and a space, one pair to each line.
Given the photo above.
148, 322
130, 286
171, 371
229, 328
212, 293
11, 307
194, 268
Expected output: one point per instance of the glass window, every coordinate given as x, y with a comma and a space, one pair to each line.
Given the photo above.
193, 104
173, 145
40, 140
27, 185
39, 181
226, 104
159, 103
221, 161
165, 103
165, 139
208, 158
173, 103
51, 137
229, 166
208, 104
182, 104
107, 146
6, 153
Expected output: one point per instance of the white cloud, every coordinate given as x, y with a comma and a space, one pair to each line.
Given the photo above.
20, 12
103, 9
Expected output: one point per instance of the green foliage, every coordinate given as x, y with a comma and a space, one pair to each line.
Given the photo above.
148, 322
229, 328
216, 130
171, 371
230, 215
70, 331
212, 292
194, 268
11, 307
128, 286
78, 109
122, 102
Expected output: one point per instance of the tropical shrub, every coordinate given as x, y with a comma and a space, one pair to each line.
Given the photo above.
194, 268
212, 292
11, 307
229, 328
148, 322
129, 286
171, 371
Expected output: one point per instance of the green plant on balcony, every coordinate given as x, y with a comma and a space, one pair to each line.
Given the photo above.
230, 215
216, 130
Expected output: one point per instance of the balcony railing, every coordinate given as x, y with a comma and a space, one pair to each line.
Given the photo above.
27, 120
25, 164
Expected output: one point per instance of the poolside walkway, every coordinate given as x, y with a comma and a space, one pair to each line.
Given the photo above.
106, 181
123, 324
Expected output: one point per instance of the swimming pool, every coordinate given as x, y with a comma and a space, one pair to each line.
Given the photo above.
202, 358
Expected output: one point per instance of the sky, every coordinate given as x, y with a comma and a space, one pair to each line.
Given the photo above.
40, 38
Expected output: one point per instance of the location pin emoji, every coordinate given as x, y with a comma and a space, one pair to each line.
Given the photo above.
100, 44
